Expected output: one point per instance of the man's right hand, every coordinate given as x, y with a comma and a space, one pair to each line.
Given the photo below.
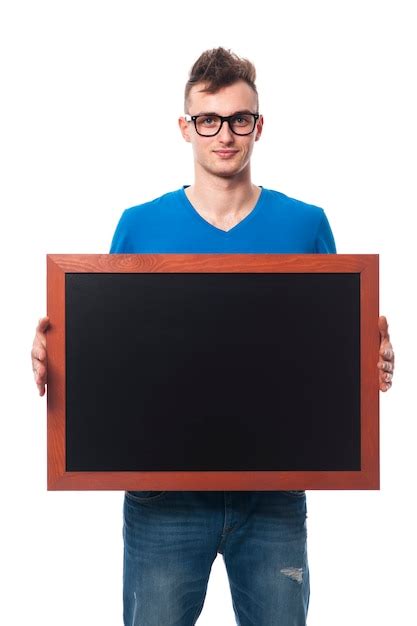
39, 361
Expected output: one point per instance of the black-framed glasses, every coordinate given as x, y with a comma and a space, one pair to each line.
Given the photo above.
210, 125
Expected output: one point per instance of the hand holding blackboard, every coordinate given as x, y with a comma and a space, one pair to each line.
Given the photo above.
386, 356
39, 357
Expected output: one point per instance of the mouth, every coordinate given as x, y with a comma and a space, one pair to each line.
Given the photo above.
225, 153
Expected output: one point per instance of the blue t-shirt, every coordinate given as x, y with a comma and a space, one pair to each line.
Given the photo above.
170, 224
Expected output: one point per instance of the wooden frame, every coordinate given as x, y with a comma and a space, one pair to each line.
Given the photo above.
365, 266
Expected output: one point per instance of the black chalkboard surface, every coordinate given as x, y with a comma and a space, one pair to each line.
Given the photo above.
212, 372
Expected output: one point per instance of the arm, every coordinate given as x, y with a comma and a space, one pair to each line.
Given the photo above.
386, 356
325, 244
38, 354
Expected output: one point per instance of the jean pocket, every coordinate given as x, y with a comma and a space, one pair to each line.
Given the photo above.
145, 496
296, 493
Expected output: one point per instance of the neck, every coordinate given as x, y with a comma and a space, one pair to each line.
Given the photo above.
223, 199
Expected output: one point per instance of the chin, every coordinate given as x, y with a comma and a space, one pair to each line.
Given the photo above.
227, 172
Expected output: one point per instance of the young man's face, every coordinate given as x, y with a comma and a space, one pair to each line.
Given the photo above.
225, 154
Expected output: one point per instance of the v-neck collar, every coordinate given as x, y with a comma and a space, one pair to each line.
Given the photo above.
234, 228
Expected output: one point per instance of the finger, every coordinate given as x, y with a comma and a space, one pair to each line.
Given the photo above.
386, 377
38, 353
385, 386
383, 327
387, 355
385, 365
384, 380
40, 374
39, 343
40, 335
386, 352
43, 324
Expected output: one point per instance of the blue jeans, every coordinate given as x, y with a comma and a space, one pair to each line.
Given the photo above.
171, 539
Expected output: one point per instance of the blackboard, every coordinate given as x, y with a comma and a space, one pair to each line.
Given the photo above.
215, 374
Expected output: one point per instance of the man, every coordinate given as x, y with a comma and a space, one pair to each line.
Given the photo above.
172, 538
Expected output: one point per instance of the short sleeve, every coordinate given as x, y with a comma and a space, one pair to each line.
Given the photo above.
120, 242
325, 243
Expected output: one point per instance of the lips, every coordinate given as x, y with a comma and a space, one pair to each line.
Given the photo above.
225, 152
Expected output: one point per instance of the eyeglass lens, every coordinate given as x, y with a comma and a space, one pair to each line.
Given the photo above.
240, 124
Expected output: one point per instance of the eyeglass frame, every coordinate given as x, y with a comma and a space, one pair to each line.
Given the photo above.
227, 118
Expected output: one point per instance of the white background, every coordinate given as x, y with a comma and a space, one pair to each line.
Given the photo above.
91, 92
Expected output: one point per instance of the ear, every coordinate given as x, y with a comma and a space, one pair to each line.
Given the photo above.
259, 127
184, 128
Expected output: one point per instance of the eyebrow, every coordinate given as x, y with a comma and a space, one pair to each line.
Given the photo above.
214, 113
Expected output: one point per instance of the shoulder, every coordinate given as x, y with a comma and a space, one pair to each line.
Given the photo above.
147, 217
164, 202
300, 222
279, 200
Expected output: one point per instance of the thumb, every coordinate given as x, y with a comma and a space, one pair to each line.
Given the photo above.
43, 324
383, 327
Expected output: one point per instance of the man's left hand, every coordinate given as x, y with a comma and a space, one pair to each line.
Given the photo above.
386, 356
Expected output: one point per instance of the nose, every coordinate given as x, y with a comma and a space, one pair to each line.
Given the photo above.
225, 134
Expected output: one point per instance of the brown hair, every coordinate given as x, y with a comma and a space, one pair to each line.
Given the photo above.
219, 68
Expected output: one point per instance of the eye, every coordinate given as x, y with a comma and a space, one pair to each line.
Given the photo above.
208, 120
241, 120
